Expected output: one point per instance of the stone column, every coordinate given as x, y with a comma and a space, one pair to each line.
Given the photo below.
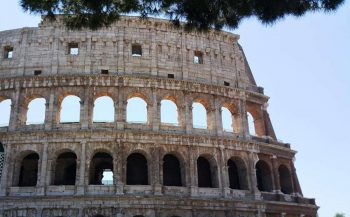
276, 177
188, 121
85, 110
42, 178
193, 171
49, 111
80, 185
244, 128
155, 179
118, 169
5, 171
15, 108
218, 118
121, 108
155, 112
253, 158
224, 171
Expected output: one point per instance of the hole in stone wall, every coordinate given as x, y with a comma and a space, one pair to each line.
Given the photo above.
171, 171
5, 110
70, 109
101, 164
168, 113
136, 50
8, 52
73, 48
104, 72
136, 110
204, 173
28, 175
136, 170
36, 111
103, 111
37, 72
198, 57
65, 171
171, 76
285, 180
226, 83
263, 176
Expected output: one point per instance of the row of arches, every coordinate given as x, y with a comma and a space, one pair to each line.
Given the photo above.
101, 171
136, 112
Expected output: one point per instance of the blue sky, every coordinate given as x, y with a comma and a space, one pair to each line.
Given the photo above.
304, 66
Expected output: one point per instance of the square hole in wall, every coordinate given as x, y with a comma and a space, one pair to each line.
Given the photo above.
198, 57
226, 83
104, 72
8, 52
37, 72
136, 50
171, 76
73, 49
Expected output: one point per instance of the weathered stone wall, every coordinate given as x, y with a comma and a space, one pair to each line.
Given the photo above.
165, 50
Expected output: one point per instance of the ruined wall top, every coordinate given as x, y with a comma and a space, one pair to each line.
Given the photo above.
161, 50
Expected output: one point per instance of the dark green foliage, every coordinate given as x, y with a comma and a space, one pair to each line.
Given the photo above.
197, 14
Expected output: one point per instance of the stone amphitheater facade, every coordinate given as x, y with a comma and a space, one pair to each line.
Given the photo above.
218, 173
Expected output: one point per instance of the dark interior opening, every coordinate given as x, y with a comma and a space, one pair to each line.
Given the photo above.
100, 163
137, 170
171, 171
204, 173
65, 171
28, 175
285, 180
263, 175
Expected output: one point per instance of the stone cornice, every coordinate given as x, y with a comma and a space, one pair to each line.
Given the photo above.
125, 81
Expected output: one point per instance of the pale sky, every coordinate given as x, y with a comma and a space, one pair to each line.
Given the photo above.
304, 66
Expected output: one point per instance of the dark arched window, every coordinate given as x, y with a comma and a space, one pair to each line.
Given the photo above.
101, 169
171, 171
28, 174
237, 174
285, 180
204, 173
263, 176
136, 170
65, 171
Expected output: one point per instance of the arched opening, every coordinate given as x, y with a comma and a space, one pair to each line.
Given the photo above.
169, 114
28, 174
65, 170
227, 120
237, 173
199, 115
5, 111
285, 180
207, 173
101, 169
136, 170
70, 109
171, 171
263, 176
103, 109
251, 124
36, 111
136, 111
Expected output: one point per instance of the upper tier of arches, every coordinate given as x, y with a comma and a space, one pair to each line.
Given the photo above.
133, 108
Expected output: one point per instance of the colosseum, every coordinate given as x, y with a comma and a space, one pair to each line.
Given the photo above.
54, 167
